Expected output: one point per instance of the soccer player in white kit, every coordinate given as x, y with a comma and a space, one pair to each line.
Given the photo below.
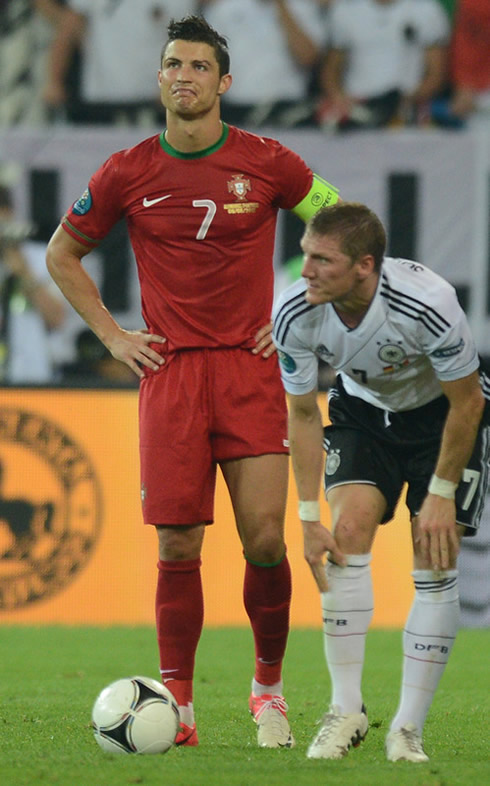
406, 408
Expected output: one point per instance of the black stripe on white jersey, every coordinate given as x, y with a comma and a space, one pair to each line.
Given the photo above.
413, 308
288, 312
485, 385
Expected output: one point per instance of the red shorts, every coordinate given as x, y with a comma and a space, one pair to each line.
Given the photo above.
203, 407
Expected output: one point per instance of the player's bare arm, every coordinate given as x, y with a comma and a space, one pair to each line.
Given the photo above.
132, 347
435, 63
305, 441
439, 541
332, 78
69, 31
302, 47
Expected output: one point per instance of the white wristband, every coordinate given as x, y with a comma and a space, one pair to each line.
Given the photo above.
309, 510
441, 487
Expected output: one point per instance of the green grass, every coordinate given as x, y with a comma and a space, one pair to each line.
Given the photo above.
50, 677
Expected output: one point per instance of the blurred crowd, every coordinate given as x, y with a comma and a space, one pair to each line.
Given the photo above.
336, 65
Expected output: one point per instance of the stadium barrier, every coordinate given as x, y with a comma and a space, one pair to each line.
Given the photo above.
430, 188
73, 549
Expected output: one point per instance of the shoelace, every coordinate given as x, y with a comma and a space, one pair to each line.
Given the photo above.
275, 703
329, 722
412, 739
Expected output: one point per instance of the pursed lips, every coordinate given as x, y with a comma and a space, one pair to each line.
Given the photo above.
183, 90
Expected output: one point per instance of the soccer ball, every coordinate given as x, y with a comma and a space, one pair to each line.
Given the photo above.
135, 715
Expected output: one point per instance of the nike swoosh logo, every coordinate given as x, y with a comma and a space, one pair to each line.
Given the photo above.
150, 202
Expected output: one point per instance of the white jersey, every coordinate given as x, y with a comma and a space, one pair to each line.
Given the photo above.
414, 334
386, 42
29, 340
252, 27
121, 46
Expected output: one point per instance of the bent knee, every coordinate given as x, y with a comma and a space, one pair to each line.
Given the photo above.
353, 534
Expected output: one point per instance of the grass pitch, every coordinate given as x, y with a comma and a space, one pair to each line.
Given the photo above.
50, 677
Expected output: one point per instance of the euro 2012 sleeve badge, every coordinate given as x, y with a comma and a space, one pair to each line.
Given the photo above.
83, 204
287, 362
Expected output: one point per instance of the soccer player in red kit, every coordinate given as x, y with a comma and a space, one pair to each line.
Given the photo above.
200, 201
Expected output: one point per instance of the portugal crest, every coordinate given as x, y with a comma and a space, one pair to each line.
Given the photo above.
239, 185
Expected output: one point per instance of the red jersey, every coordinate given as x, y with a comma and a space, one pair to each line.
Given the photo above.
202, 228
471, 45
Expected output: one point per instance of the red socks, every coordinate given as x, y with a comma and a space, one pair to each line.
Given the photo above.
179, 611
180, 614
267, 598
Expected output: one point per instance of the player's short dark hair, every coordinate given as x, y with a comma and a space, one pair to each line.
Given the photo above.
359, 229
196, 28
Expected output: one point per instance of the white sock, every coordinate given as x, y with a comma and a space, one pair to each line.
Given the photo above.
262, 690
427, 642
186, 712
347, 611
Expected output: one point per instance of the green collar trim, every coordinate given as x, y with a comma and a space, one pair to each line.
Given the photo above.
200, 153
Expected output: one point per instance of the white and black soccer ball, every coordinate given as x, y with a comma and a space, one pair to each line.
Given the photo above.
135, 715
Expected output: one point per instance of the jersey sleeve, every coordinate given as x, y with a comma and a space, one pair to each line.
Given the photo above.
297, 361
309, 17
321, 194
436, 30
292, 176
448, 340
96, 211
299, 189
339, 26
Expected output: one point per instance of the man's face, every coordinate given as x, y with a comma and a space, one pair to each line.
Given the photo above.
189, 79
331, 275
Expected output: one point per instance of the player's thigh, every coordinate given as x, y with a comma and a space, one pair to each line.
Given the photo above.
472, 490
177, 468
258, 490
355, 457
249, 405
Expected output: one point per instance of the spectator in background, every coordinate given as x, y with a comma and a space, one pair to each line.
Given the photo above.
30, 304
25, 29
94, 366
275, 45
119, 45
470, 60
386, 62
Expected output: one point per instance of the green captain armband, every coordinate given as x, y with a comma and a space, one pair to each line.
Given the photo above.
321, 194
